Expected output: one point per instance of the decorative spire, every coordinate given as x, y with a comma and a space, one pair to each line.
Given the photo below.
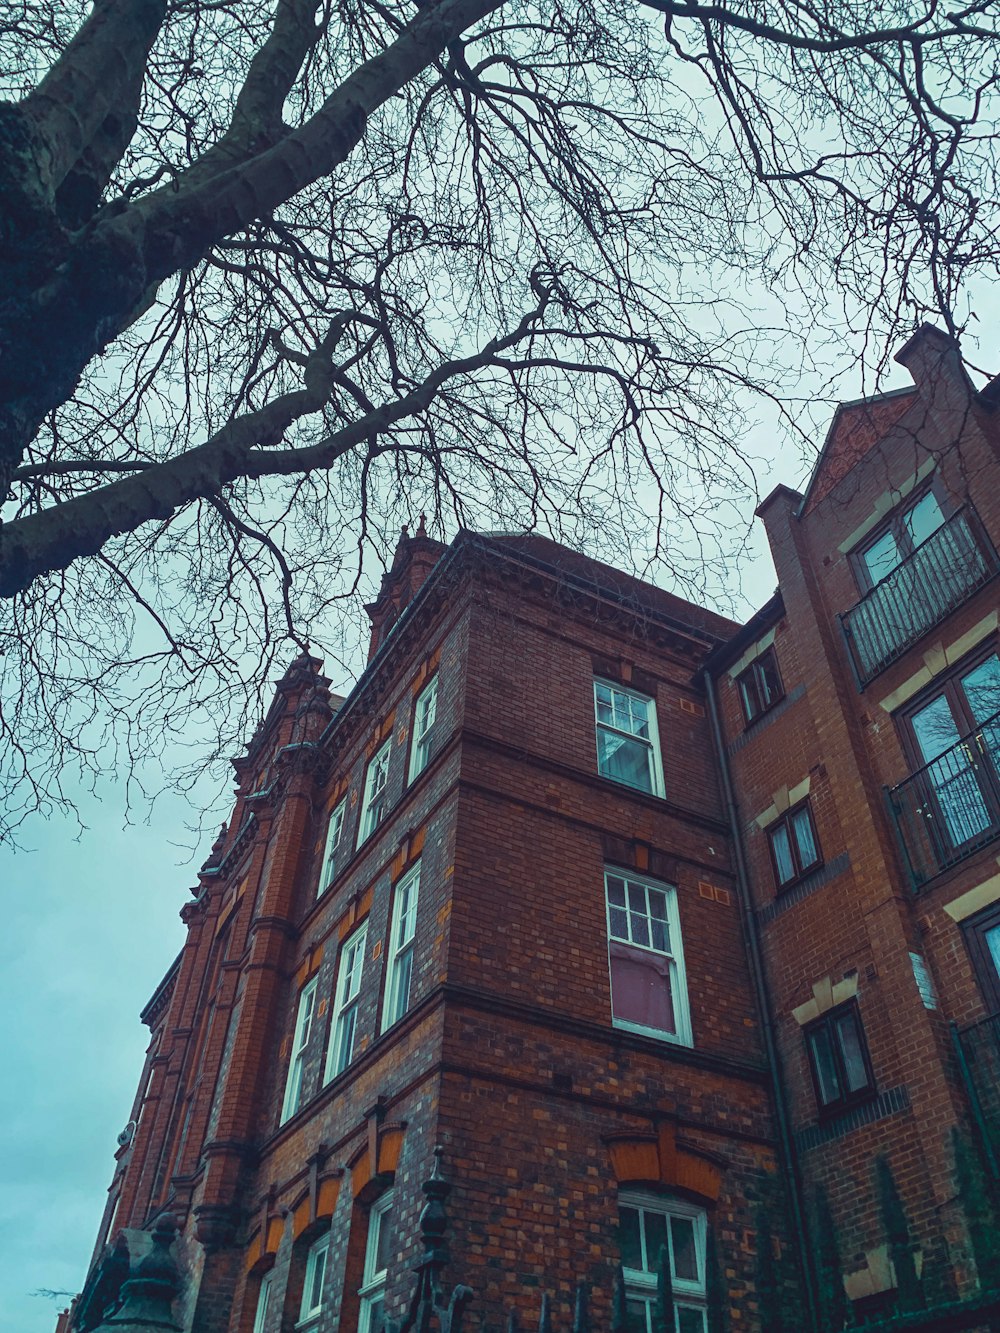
426, 1306
148, 1296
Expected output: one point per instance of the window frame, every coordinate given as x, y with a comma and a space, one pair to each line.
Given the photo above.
785, 820
409, 881
380, 760
830, 1021
657, 786
331, 845
950, 687
321, 1245
895, 522
642, 1283
985, 970
373, 1281
420, 741
305, 1016
753, 673
680, 1000
358, 939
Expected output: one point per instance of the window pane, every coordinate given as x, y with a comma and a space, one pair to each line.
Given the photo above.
655, 1227
638, 1312
376, 1315
768, 681
383, 1246
748, 695
401, 985
685, 1249
848, 1032
628, 1237
263, 1301
782, 854
602, 696
804, 840
407, 912
344, 1039
924, 518
616, 890
618, 919
690, 1319
827, 1078
315, 1273
640, 928
661, 936
641, 988
992, 939
637, 898
982, 689
657, 904
624, 760
882, 557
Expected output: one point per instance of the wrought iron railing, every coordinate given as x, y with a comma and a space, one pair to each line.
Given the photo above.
939, 576
978, 1051
950, 808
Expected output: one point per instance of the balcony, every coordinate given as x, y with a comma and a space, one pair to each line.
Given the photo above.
978, 1051
951, 807
939, 576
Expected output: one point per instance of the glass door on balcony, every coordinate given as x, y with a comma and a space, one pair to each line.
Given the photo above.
957, 736
909, 529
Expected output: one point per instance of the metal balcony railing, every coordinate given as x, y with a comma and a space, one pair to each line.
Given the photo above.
950, 808
939, 576
978, 1051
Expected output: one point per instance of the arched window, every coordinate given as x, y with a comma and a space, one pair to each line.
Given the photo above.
650, 1222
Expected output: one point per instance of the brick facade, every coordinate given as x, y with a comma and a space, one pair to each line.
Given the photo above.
507, 1055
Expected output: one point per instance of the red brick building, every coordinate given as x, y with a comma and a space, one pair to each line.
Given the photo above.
668, 931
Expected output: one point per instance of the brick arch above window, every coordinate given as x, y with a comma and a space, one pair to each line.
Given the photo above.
264, 1245
659, 1159
389, 1144
316, 1206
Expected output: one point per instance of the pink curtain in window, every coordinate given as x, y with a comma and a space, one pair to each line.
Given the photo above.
640, 987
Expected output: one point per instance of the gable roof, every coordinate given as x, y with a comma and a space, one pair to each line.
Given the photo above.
856, 427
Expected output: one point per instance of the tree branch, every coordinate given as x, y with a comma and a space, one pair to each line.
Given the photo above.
80, 526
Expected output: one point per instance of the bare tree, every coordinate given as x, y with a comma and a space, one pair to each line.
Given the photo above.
273, 277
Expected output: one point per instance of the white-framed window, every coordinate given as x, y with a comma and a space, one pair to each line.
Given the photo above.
300, 1043
378, 1251
424, 713
628, 744
646, 958
373, 806
648, 1223
344, 1025
312, 1287
334, 833
263, 1302
399, 975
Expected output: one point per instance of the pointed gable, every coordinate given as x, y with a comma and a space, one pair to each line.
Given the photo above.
855, 429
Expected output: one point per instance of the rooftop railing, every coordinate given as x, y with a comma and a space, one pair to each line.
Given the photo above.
939, 576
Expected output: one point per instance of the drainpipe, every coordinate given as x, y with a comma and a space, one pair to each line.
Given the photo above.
789, 1159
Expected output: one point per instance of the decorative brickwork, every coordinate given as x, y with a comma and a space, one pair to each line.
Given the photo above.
463, 950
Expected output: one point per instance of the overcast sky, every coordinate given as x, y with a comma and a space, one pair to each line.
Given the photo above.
91, 924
